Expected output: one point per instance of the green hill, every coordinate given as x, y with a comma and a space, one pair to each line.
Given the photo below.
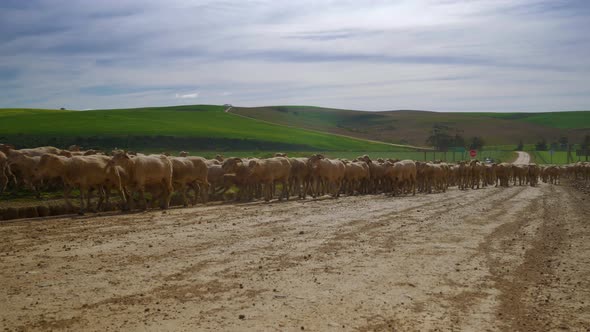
565, 120
197, 127
414, 127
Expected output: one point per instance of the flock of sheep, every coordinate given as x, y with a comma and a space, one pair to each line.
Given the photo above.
132, 175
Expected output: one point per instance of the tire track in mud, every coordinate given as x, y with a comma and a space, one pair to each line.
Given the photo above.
541, 235
478, 292
406, 217
455, 303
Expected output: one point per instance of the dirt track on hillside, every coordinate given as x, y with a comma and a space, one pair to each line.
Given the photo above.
490, 259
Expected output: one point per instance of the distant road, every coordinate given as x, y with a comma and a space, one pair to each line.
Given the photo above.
523, 158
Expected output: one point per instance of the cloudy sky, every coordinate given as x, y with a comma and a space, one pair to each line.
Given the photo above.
444, 55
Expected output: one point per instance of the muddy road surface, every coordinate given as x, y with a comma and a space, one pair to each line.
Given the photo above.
494, 259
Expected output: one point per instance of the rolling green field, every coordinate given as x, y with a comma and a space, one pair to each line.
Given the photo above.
262, 130
564, 120
201, 121
413, 127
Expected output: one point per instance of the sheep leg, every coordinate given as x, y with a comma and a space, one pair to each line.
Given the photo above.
81, 212
142, 198
337, 188
268, 191
67, 191
183, 190
3, 182
204, 191
167, 195
89, 197
286, 189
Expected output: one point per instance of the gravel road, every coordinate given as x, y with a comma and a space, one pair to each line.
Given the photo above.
493, 259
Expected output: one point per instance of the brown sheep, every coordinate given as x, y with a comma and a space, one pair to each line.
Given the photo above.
520, 172
476, 173
237, 172
503, 174
190, 172
551, 174
215, 178
5, 173
378, 181
326, 171
533, 174
270, 171
22, 167
356, 177
145, 171
87, 173
402, 175
300, 177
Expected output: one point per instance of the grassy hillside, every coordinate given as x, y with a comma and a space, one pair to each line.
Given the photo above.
564, 120
413, 127
198, 127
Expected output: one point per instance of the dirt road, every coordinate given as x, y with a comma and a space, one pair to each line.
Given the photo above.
523, 158
508, 259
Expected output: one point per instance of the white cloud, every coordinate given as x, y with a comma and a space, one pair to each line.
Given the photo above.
187, 95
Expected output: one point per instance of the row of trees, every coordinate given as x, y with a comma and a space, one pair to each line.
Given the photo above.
560, 144
444, 137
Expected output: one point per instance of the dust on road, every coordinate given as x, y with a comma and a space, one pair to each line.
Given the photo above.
506, 259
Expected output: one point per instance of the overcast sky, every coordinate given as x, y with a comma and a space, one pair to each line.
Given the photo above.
442, 55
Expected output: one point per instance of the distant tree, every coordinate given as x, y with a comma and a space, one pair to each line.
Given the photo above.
563, 142
520, 146
541, 145
554, 146
458, 140
585, 145
439, 137
476, 143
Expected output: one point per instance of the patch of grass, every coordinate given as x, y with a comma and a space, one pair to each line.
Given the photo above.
558, 158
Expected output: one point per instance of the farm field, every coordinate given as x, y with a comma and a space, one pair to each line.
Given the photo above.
151, 127
413, 127
488, 259
576, 119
